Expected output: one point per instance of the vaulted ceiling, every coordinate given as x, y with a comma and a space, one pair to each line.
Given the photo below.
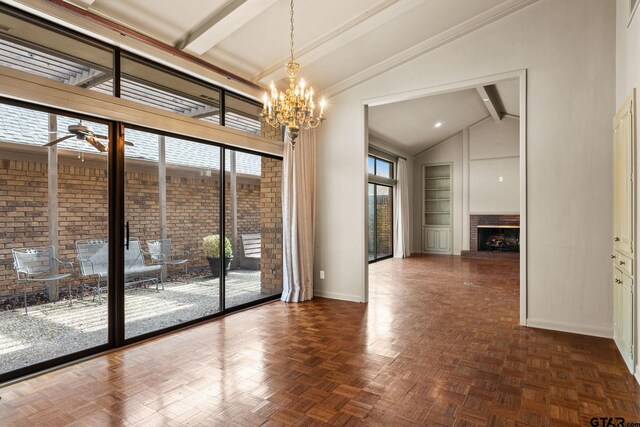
338, 43
415, 125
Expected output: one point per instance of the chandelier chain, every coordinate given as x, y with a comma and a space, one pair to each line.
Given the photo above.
291, 30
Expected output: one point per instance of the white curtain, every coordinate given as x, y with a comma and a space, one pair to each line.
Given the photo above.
298, 216
401, 213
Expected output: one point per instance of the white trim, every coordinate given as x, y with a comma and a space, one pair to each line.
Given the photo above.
457, 86
637, 374
365, 216
632, 13
505, 8
25, 87
337, 295
523, 199
595, 331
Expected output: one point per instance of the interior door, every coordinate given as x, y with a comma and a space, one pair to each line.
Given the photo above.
623, 179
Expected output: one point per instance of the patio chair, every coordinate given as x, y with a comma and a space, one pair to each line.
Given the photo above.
34, 265
161, 252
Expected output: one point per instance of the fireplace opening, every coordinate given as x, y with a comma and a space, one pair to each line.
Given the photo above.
499, 238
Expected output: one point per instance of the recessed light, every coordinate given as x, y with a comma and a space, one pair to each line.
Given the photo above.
438, 124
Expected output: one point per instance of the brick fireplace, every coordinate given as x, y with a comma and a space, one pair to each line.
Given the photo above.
510, 223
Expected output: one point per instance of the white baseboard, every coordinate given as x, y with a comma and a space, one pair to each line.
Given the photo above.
595, 331
336, 295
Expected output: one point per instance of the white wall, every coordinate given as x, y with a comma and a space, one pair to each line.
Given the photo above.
494, 153
449, 150
568, 49
627, 78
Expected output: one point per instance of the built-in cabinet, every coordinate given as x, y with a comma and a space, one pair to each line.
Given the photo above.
623, 257
436, 209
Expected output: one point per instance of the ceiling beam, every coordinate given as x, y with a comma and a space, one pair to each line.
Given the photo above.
491, 101
234, 15
365, 22
485, 18
86, 4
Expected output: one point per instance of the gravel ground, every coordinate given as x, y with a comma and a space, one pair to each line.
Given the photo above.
55, 329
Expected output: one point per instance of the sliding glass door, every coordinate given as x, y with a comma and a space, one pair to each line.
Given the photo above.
172, 231
253, 227
107, 240
54, 187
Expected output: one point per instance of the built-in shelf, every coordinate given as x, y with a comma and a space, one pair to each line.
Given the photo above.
436, 217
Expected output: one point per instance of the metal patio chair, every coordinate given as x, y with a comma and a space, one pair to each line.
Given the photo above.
34, 265
161, 252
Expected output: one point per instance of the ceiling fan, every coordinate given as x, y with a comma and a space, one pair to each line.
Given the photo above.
84, 133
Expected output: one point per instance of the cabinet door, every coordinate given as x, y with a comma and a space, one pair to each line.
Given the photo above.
623, 174
443, 240
430, 239
623, 317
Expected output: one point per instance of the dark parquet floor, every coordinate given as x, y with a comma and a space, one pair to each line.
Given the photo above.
439, 344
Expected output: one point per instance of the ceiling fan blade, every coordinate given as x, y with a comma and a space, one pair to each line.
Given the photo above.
130, 144
100, 136
55, 141
91, 140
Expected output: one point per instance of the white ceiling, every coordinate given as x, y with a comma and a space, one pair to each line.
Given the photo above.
410, 125
335, 40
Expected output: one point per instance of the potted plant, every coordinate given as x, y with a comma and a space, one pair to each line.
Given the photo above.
211, 245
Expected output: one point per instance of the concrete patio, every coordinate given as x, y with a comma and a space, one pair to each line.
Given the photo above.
55, 329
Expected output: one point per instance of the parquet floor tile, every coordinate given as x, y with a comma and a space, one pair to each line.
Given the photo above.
438, 344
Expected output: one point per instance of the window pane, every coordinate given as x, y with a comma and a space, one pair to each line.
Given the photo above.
384, 169
172, 205
36, 49
253, 225
242, 115
54, 198
371, 165
148, 84
384, 221
372, 221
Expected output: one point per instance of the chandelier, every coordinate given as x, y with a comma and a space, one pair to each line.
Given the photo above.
295, 107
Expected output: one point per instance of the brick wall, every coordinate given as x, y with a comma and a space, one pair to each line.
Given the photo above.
271, 219
192, 210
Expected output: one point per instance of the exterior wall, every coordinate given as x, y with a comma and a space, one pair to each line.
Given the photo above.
192, 209
271, 219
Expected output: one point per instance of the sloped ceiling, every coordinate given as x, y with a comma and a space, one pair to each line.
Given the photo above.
335, 40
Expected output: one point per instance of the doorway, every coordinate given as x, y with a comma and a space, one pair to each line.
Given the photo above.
479, 128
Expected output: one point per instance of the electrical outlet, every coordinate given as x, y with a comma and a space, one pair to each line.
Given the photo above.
322, 274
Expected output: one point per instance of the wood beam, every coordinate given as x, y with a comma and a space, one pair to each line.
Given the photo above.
230, 18
491, 101
52, 175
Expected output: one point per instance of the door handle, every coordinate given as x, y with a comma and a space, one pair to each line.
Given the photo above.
126, 235
621, 262
616, 239
613, 256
